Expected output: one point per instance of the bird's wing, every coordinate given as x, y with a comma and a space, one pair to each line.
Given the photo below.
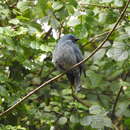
79, 58
64, 54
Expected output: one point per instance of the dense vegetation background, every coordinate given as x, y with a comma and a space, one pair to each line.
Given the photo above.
29, 30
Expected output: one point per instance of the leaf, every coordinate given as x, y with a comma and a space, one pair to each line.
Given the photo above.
73, 21
66, 91
127, 29
118, 3
107, 1
99, 54
127, 122
70, 9
23, 5
94, 78
74, 119
35, 45
101, 121
14, 21
111, 17
96, 121
118, 52
122, 109
57, 5
102, 17
54, 23
124, 83
95, 109
122, 37
107, 44
4, 13
45, 48
85, 121
22, 30
3, 91
62, 120
36, 80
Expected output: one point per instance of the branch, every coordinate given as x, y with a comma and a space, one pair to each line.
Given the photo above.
13, 5
107, 37
117, 98
48, 34
78, 99
101, 6
61, 24
97, 36
60, 75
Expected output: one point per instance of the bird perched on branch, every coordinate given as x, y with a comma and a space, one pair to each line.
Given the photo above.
67, 54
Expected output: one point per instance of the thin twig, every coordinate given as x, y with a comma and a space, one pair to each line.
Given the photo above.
117, 98
97, 36
48, 34
78, 99
11, 7
60, 75
101, 6
115, 102
61, 24
81, 101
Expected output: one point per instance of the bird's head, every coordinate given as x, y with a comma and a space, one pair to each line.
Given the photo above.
69, 37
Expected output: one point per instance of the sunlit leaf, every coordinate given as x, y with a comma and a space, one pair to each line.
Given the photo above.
62, 120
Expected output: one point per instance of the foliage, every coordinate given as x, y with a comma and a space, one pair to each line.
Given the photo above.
29, 30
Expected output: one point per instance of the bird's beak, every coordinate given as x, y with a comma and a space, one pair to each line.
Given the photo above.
77, 39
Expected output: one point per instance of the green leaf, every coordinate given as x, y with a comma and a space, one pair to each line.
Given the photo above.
54, 23
127, 122
124, 83
66, 91
118, 52
73, 21
95, 109
70, 9
14, 21
22, 30
45, 48
94, 78
99, 54
3, 91
4, 13
127, 29
96, 121
118, 3
23, 5
122, 109
35, 45
57, 5
74, 119
102, 17
36, 80
85, 121
62, 120
107, 1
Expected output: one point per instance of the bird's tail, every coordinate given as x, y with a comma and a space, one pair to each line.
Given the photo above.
74, 79
77, 83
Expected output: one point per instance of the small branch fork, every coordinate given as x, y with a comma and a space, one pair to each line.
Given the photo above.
60, 75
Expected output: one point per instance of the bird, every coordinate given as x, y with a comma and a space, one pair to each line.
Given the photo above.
65, 55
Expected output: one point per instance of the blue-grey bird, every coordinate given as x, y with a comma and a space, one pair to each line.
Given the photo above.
67, 54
